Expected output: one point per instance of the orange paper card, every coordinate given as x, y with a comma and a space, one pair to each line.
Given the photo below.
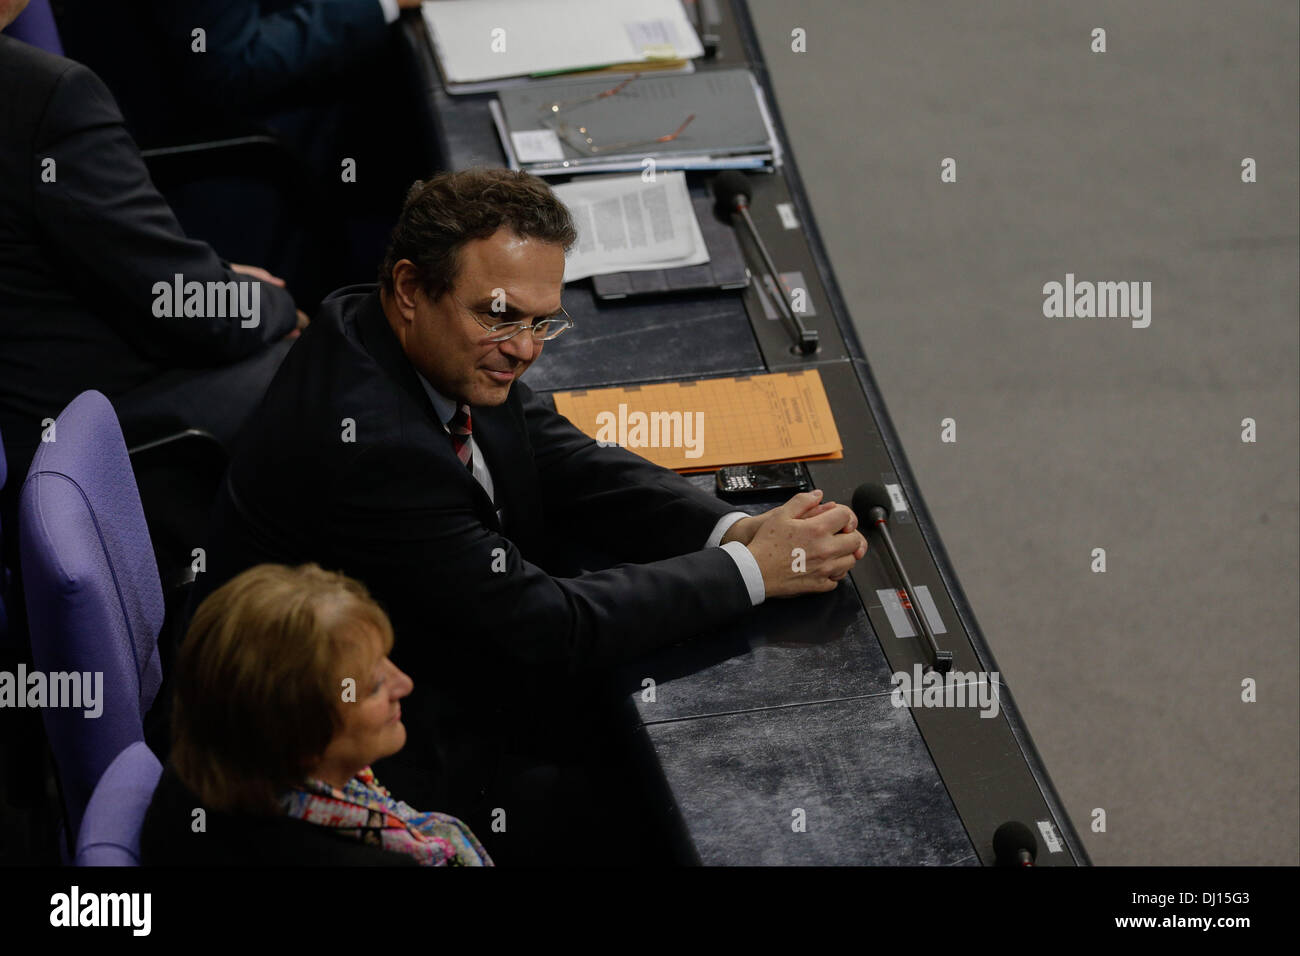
703, 425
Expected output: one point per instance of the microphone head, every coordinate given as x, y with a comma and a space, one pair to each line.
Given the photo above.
871, 495
727, 186
1010, 839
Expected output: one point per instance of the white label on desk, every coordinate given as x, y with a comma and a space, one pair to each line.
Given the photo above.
794, 282
536, 145
1048, 831
786, 211
896, 497
656, 39
892, 602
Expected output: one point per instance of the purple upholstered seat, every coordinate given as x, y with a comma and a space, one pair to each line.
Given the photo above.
94, 601
110, 828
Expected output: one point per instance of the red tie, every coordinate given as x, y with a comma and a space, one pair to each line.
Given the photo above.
460, 429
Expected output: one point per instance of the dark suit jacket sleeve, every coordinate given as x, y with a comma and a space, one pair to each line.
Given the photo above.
254, 59
111, 232
470, 587
634, 508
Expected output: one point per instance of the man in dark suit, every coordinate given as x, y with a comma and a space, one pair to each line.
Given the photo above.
328, 77
398, 445
86, 247
84, 241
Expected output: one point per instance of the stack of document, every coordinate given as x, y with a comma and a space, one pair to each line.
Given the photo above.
488, 44
719, 119
628, 225
712, 422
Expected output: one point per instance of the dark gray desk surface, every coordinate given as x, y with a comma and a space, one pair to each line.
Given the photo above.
789, 710
612, 343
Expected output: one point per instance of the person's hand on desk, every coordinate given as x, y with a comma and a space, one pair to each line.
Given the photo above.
744, 529
826, 532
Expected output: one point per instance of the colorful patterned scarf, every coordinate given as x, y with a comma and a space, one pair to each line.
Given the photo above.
365, 811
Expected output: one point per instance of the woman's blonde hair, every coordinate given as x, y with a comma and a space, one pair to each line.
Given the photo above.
258, 680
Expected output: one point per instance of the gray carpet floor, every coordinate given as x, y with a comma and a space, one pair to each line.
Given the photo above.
1081, 433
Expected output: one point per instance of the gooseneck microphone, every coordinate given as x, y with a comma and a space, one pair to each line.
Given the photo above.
1014, 845
872, 506
732, 192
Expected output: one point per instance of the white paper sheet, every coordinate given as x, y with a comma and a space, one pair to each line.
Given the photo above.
628, 225
479, 40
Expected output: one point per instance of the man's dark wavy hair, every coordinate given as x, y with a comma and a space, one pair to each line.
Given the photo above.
441, 214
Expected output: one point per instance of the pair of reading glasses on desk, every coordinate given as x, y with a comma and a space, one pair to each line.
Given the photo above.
579, 135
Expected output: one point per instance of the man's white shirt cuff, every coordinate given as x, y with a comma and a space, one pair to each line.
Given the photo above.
722, 527
749, 570
391, 10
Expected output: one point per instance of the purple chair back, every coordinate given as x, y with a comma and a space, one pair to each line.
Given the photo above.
36, 26
110, 829
94, 601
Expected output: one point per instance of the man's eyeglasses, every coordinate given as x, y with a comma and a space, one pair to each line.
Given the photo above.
543, 329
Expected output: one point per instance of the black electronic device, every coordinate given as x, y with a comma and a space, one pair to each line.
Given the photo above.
750, 482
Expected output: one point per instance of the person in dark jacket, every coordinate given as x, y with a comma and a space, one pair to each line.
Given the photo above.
91, 264
329, 78
284, 695
398, 445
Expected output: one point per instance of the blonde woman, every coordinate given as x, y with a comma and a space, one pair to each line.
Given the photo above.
284, 696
